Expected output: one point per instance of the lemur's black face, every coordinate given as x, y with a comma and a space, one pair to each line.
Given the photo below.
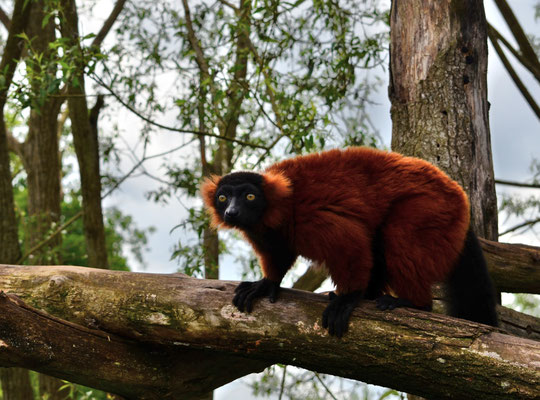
240, 199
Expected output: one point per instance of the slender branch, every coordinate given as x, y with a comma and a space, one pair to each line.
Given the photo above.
109, 22
518, 184
45, 241
13, 49
516, 29
522, 88
282, 386
270, 90
534, 69
200, 59
170, 128
522, 225
141, 162
230, 5
194, 42
79, 214
13, 144
325, 386
4, 18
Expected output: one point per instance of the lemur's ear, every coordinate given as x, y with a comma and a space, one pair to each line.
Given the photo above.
277, 191
208, 193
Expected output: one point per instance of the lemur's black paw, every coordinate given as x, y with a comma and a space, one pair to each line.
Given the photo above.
336, 315
247, 292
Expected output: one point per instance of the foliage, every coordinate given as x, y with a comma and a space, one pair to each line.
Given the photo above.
523, 207
42, 76
120, 231
79, 392
526, 303
294, 383
287, 77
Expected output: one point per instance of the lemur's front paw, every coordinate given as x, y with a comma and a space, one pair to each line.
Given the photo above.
247, 292
336, 315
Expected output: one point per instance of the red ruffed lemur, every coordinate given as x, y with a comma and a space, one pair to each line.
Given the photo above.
381, 223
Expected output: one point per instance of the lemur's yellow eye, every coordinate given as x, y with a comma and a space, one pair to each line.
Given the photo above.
250, 197
222, 198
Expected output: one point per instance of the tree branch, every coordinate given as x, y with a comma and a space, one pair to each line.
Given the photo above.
13, 144
4, 18
13, 49
442, 354
170, 128
520, 36
526, 224
109, 22
518, 184
521, 86
514, 268
533, 68
36, 340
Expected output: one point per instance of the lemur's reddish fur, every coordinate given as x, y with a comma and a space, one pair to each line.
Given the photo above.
329, 206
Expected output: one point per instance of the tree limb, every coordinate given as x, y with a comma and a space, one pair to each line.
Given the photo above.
109, 22
36, 340
527, 224
13, 144
13, 49
445, 357
533, 68
520, 36
518, 184
518, 82
514, 268
170, 128
4, 18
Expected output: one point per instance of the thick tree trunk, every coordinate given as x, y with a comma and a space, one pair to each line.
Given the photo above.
211, 253
40, 152
438, 90
445, 357
9, 250
41, 160
15, 381
16, 384
85, 140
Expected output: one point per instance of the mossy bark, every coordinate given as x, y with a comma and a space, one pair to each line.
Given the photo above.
444, 357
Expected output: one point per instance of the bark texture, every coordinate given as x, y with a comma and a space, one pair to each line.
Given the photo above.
514, 268
10, 249
445, 357
39, 152
438, 90
39, 341
15, 381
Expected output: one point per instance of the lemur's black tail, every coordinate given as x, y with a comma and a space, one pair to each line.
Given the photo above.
470, 291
